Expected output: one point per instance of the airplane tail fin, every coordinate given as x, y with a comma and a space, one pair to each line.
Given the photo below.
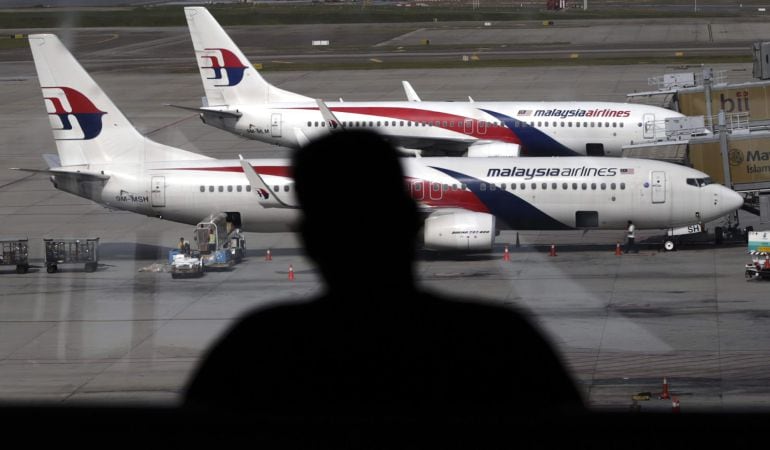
87, 127
228, 76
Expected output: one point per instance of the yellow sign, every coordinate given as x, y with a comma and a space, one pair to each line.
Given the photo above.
754, 100
749, 160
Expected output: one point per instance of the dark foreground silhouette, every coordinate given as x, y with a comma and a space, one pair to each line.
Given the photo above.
374, 345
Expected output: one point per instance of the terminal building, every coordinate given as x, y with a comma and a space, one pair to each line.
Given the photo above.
726, 133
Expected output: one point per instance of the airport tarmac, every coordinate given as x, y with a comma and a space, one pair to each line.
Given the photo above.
622, 323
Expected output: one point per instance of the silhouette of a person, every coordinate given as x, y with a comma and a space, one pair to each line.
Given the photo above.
374, 344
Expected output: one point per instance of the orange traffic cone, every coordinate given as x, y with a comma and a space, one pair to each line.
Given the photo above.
675, 404
268, 256
553, 250
618, 250
506, 254
291, 272
664, 395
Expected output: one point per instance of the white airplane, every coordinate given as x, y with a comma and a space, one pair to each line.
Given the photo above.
240, 101
465, 201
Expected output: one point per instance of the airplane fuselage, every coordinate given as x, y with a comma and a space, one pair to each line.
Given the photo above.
539, 128
521, 193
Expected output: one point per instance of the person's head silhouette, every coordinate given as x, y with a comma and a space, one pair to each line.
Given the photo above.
358, 218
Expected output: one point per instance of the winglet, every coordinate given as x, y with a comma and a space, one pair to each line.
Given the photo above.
267, 198
411, 94
329, 117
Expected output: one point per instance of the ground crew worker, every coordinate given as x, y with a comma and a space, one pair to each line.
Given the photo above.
212, 240
630, 236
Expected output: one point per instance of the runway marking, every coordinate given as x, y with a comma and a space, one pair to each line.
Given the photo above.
111, 37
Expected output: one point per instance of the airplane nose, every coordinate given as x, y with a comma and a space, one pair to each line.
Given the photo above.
731, 200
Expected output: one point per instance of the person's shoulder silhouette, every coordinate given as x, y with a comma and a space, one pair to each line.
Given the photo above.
373, 343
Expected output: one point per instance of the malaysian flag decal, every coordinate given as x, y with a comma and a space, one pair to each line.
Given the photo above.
626, 171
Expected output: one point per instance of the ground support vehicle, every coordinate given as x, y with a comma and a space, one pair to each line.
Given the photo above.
71, 251
759, 268
185, 266
15, 252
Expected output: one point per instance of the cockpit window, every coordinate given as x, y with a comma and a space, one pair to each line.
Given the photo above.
699, 182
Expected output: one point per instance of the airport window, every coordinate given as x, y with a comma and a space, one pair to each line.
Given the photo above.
502, 186
554, 186
585, 124
482, 187
607, 124
445, 187
584, 186
451, 123
569, 124
599, 124
513, 186
229, 189
203, 188
454, 187
445, 123
622, 186
315, 124
562, 124
436, 187
565, 186
534, 186
614, 124
540, 124
323, 124
707, 181
239, 188
309, 124
276, 188
604, 186
463, 186
417, 187
592, 124
523, 186
401, 123
574, 186
532, 124
286, 188
492, 186
221, 188
371, 124
593, 186
692, 182
357, 124
378, 123
248, 188
639, 124
621, 124
211, 188
544, 186
613, 186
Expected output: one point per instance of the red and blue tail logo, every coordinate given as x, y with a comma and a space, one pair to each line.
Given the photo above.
230, 64
87, 116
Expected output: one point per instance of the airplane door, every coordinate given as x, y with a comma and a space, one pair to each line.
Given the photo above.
658, 187
158, 191
648, 126
482, 127
275, 125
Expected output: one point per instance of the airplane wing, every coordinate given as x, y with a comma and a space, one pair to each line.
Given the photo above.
267, 198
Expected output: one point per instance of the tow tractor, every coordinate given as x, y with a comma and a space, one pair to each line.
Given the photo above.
759, 249
186, 266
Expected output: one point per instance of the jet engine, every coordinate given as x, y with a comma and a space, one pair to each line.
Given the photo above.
459, 230
494, 149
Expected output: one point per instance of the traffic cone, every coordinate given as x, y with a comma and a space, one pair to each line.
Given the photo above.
506, 254
664, 395
618, 250
291, 272
268, 256
553, 250
675, 404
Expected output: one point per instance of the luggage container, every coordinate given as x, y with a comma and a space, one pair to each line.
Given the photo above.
71, 251
15, 252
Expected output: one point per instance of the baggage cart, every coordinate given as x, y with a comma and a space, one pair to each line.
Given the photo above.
71, 251
15, 253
